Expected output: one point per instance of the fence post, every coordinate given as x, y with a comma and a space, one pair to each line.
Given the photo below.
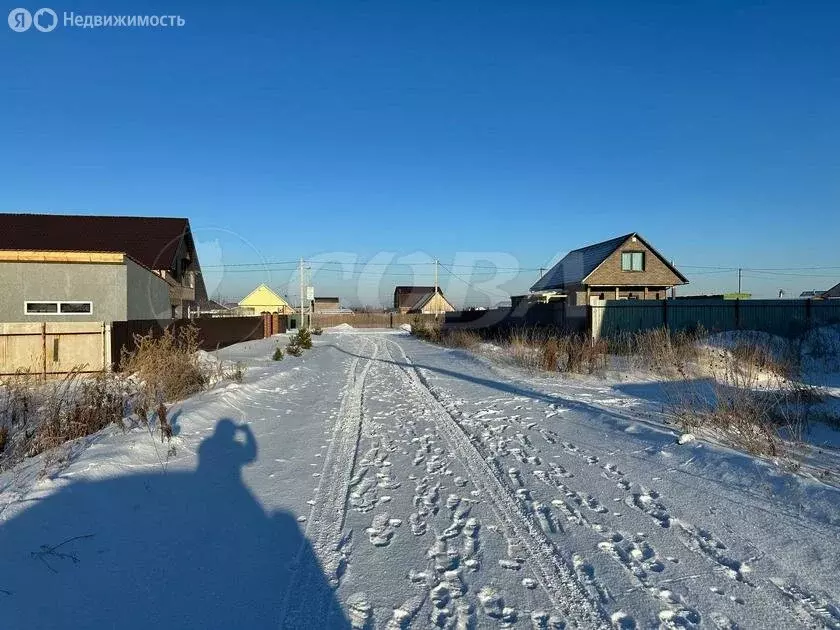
808, 313
390, 320
665, 313
738, 313
589, 320
44, 350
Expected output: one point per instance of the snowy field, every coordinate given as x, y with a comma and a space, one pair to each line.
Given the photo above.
382, 482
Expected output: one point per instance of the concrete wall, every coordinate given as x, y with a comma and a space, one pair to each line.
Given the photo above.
104, 284
147, 294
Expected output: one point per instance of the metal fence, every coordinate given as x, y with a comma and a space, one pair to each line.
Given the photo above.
609, 318
213, 332
787, 318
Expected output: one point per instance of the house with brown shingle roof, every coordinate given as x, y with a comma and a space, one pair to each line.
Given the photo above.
625, 267
97, 268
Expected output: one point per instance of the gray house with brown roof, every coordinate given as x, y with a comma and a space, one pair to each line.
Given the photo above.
96, 268
625, 267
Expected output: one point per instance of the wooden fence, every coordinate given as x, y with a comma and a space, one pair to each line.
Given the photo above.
54, 348
364, 320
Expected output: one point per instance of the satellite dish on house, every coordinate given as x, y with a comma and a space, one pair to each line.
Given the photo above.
781, 293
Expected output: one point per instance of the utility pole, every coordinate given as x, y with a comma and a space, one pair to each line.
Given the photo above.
542, 272
739, 282
436, 287
300, 326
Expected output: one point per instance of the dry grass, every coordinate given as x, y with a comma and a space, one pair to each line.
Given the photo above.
78, 407
460, 339
168, 366
752, 401
428, 329
659, 350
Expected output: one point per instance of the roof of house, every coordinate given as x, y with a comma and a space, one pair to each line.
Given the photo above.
151, 241
210, 305
811, 294
833, 292
264, 287
326, 299
578, 264
410, 296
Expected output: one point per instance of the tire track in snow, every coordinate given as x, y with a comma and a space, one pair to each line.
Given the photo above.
326, 519
553, 574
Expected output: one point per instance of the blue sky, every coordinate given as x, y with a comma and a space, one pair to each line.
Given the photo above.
514, 130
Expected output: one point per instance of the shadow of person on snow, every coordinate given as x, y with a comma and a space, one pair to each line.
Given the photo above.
165, 551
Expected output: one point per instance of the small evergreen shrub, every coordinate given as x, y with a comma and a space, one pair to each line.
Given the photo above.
304, 338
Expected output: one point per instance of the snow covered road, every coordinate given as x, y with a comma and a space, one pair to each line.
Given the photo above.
413, 487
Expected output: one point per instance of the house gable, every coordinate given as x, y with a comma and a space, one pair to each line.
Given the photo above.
832, 293
657, 271
433, 303
264, 297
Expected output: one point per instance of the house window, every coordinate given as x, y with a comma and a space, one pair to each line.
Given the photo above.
58, 308
38, 308
632, 261
76, 308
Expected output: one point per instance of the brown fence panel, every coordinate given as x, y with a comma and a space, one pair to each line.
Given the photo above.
365, 320
213, 332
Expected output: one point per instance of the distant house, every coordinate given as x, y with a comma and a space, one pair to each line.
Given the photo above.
626, 267
210, 308
97, 268
326, 305
833, 293
812, 295
264, 300
412, 299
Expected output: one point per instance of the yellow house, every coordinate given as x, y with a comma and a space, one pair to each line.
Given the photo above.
264, 300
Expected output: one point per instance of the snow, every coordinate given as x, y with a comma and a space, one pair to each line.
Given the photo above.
685, 438
379, 481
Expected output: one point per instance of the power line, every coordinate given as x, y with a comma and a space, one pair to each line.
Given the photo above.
454, 275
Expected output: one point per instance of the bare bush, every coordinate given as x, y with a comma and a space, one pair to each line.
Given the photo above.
429, 330
753, 355
659, 350
78, 406
748, 403
168, 365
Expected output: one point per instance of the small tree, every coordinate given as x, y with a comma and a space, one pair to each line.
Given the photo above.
278, 354
304, 338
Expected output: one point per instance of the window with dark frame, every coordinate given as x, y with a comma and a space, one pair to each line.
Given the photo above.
632, 261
